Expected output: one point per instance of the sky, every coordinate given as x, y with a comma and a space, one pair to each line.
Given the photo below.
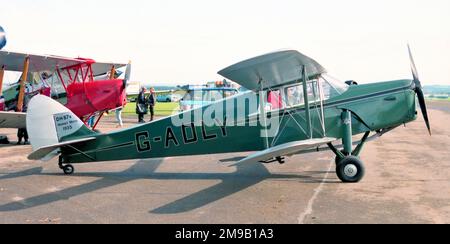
180, 42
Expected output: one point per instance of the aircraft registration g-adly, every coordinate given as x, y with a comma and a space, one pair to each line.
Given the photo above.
87, 87
299, 109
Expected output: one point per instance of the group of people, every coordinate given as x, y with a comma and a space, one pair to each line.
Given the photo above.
144, 104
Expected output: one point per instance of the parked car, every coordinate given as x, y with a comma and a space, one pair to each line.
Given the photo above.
198, 97
169, 98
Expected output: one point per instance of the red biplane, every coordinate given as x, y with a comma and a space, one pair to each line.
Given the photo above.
89, 87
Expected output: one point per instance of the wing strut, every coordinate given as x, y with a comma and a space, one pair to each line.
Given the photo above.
26, 64
112, 73
305, 96
262, 112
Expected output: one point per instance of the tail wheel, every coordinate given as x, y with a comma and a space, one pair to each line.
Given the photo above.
68, 169
350, 169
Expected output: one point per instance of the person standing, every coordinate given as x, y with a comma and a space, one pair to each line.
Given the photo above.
141, 105
151, 103
91, 121
22, 133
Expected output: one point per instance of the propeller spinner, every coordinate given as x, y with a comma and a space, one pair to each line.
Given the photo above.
419, 91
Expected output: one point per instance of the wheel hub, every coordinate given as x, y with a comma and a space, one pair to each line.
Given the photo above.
350, 170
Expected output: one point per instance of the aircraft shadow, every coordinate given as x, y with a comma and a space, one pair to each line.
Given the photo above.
235, 159
245, 176
28, 172
11, 144
107, 180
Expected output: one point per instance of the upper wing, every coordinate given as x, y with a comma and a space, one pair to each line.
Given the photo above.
104, 68
286, 149
274, 69
14, 61
12, 120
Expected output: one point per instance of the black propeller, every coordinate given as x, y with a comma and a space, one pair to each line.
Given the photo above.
419, 91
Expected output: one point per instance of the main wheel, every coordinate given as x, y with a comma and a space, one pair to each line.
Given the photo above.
68, 169
350, 169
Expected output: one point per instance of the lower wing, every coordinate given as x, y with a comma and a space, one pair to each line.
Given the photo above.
12, 120
286, 149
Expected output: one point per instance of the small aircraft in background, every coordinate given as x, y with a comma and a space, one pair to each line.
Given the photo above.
84, 86
135, 89
314, 112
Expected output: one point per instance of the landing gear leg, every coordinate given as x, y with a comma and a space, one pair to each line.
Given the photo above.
349, 168
280, 160
347, 139
68, 169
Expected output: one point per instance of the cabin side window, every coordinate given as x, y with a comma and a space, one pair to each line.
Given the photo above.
294, 96
215, 95
274, 100
229, 93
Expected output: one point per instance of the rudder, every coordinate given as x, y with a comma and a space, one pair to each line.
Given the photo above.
50, 125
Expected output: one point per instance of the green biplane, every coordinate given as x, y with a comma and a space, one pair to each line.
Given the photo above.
292, 107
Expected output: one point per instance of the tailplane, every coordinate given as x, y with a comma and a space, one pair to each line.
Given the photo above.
50, 126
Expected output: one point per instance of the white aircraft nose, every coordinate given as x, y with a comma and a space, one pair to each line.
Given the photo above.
2, 38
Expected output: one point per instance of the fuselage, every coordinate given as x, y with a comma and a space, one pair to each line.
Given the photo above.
239, 126
86, 98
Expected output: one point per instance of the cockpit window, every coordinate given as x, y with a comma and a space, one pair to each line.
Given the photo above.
321, 88
331, 87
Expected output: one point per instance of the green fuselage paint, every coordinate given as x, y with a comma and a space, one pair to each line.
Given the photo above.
371, 107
